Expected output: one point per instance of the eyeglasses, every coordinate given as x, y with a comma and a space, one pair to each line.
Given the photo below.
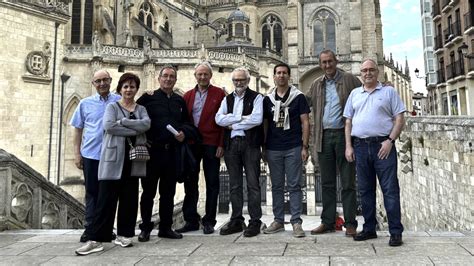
371, 70
104, 80
239, 80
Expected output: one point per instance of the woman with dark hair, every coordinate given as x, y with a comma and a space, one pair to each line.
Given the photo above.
125, 123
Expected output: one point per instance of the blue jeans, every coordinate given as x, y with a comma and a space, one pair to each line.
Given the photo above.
368, 167
91, 182
287, 163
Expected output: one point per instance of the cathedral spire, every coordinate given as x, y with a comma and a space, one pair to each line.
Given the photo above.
407, 71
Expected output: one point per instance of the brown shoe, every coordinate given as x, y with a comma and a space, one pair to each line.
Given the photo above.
322, 229
351, 231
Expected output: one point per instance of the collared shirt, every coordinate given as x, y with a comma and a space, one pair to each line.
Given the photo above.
199, 101
332, 116
88, 116
372, 113
235, 119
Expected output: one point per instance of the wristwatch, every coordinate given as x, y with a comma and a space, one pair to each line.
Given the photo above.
391, 140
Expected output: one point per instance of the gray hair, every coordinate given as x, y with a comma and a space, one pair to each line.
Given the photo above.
371, 60
327, 51
246, 71
204, 63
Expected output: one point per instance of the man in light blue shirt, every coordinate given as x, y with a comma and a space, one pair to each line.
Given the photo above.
88, 132
374, 119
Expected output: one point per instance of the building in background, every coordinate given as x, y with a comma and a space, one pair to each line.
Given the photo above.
430, 65
55, 46
400, 78
420, 104
453, 22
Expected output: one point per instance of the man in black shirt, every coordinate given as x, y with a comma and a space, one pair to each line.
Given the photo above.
164, 107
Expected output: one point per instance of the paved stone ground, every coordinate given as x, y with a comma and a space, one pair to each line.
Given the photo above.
56, 247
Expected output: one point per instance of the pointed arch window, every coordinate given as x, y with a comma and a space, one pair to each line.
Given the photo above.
324, 32
81, 21
145, 15
272, 33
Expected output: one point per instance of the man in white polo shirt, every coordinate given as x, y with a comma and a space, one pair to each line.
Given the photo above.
374, 119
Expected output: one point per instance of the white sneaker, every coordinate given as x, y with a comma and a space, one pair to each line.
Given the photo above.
89, 248
123, 241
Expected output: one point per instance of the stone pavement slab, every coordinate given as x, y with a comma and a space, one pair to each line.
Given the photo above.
18, 248
452, 260
93, 260
323, 249
24, 260
6, 240
60, 249
421, 249
160, 248
257, 249
287, 260
377, 260
194, 260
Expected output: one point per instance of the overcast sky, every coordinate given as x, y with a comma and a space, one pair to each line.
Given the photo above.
401, 21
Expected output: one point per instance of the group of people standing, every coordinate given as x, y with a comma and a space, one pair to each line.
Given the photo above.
355, 127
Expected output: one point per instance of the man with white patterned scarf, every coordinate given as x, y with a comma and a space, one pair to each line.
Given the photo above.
286, 147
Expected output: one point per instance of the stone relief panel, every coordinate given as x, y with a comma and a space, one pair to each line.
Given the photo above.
22, 201
37, 65
50, 218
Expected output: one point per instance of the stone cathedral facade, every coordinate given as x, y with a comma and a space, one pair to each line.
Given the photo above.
50, 49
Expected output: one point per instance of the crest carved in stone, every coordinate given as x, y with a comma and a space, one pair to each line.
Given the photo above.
37, 62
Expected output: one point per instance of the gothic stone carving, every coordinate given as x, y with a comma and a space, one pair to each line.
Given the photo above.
22, 201
50, 218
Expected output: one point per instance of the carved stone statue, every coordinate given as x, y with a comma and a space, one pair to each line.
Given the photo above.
96, 46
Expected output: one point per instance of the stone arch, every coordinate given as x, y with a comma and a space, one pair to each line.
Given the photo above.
69, 171
307, 78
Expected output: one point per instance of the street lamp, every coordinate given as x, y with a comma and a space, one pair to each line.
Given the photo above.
417, 74
464, 50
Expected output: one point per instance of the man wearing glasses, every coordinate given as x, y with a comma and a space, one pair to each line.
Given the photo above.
374, 120
241, 115
88, 132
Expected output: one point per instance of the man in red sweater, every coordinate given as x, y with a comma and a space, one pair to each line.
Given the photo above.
203, 102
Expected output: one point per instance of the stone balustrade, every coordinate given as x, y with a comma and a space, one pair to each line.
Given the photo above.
60, 6
28, 200
117, 54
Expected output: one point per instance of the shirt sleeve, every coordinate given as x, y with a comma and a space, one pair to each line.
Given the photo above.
77, 119
349, 109
254, 119
223, 118
303, 105
396, 102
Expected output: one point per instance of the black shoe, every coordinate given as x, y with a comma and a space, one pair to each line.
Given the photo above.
144, 236
114, 236
188, 228
395, 240
84, 237
253, 229
168, 233
232, 227
362, 236
208, 229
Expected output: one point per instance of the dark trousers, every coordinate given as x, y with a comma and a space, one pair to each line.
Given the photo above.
211, 164
123, 191
161, 166
238, 156
91, 182
331, 161
369, 167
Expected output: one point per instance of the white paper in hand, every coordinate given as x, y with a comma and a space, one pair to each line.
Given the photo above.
172, 130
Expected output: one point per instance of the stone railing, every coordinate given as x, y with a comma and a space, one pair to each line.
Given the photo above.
112, 53
60, 6
436, 158
28, 200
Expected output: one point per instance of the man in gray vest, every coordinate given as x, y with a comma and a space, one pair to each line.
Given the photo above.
241, 115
